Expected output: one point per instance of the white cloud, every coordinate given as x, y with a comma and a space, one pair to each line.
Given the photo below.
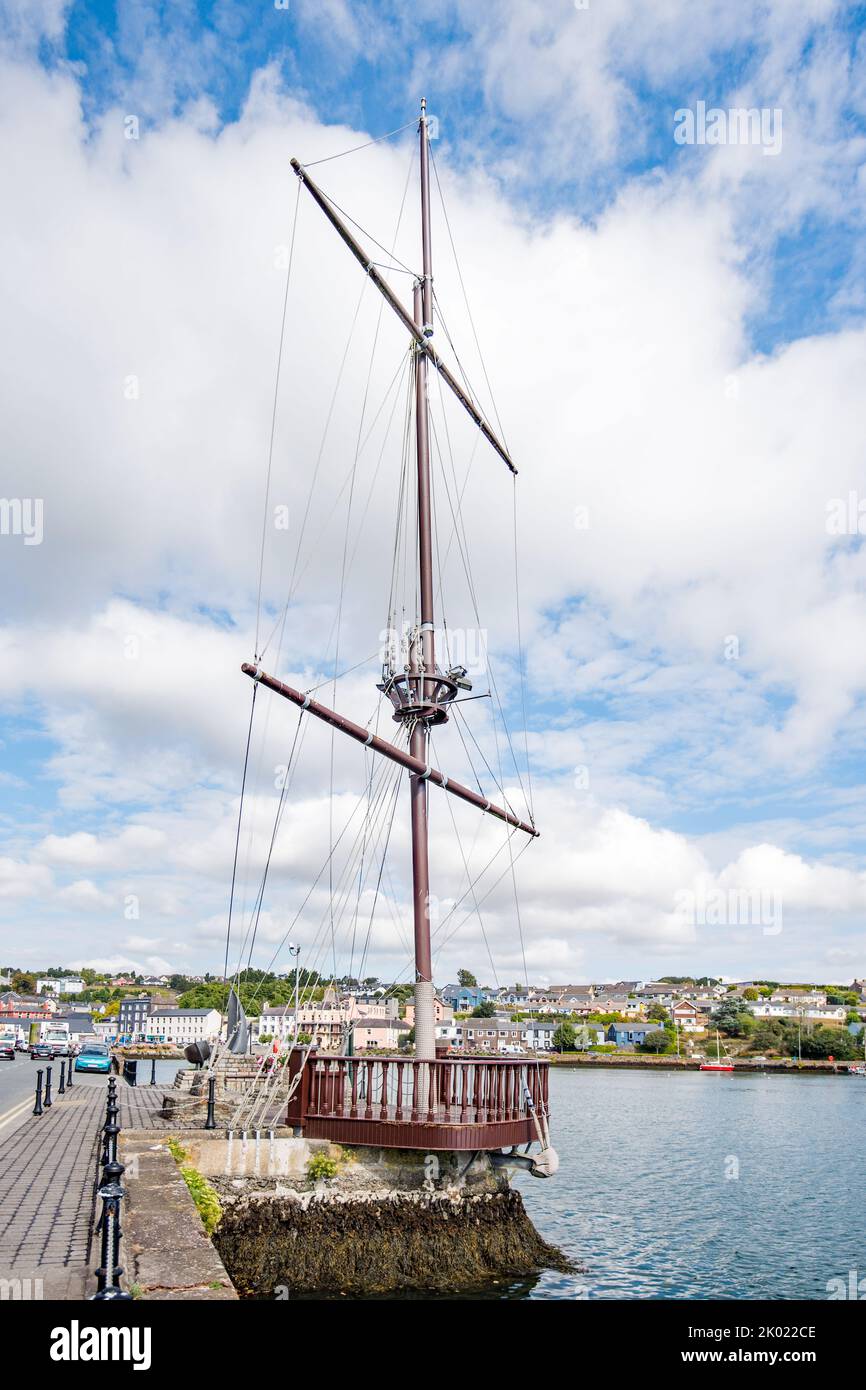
628, 388
22, 880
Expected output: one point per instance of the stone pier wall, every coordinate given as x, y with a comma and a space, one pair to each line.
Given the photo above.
304, 1216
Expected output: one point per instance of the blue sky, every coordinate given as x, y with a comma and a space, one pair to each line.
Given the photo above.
806, 272
696, 316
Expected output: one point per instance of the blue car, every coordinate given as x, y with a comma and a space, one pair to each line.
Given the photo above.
93, 1057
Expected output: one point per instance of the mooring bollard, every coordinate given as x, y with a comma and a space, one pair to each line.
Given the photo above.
153, 1072
210, 1122
37, 1109
61, 1089
48, 1101
112, 1192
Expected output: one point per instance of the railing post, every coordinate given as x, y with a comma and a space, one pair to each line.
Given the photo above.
300, 1100
210, 1122
398, 1108
383, 1101
48, 1101
368, 1110
414, 1112
112, 1192
37, 1109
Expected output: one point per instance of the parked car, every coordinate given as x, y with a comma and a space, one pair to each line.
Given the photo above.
22, 1046
41, 1052
93, 1057
7, 1047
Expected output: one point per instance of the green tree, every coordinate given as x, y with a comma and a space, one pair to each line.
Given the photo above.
768, 1036
564, 1037
733, 1018
23, 982
658, 1013
750, 994
659, 1041
466, 979
483, 1010
830, 1042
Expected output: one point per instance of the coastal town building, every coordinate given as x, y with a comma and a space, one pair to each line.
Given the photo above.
489, 1035
686, 1016
442, 1012
183, 1025
632, 1033
386, 1034
132, 1018
24, 1006
814, 1013
64, 984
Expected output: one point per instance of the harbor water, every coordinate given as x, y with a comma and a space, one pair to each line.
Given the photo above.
698, 1186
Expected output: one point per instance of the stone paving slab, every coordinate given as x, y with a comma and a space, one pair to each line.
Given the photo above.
48, 1176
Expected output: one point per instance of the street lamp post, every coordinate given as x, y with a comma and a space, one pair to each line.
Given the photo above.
295, 951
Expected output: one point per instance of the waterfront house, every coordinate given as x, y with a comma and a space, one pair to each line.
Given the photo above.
446, 1035
327, 1026
464, 998
442, 1012
538, 1036
809, 998
631, 1033
609, 1004
686, 1017
132, 1018
386, 1034
813, 1013
489, 1035
182, 1026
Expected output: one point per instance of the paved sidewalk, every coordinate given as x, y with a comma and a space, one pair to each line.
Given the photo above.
48, 1176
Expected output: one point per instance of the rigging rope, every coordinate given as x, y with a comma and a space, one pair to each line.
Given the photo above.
311, 164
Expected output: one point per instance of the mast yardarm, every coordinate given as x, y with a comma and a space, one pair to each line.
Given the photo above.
417, 331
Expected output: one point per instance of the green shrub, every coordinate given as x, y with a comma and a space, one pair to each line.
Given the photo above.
321, 1167
207, 1202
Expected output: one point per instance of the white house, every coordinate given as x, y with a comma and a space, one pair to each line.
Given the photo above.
812, 1013
538, 1036
66, 984
446, 1033
183, 1025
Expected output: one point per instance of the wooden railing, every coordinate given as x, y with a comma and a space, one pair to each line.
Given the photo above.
401, 1102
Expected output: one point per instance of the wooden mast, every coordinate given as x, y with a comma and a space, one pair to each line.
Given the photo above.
422, 694
423, 648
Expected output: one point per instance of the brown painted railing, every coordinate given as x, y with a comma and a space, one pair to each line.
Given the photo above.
401, 1102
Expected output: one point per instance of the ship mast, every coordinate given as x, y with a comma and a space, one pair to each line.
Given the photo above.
423, 652
419, 693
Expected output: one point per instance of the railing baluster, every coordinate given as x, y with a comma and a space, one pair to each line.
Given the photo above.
353, 1112
341, 1084
398, 1109
431, 1113
383, 1108
414, 1092
368, 1113
476, 1094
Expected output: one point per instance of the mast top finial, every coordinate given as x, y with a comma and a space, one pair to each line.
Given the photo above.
423, 107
